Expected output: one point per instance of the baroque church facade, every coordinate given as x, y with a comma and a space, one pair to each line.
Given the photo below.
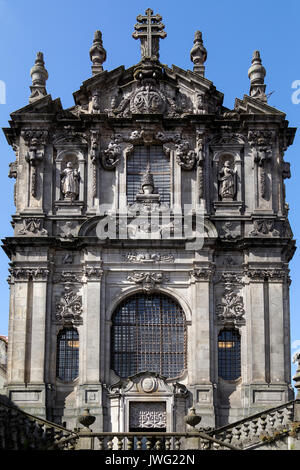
149, 262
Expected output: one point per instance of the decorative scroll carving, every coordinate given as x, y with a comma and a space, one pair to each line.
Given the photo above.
228, 230
68, 229
110, 157
68, 309
231, 308
147, 99
148, 280
203, 274
264, 227
33, 225
24, 274
271, 274
67, 276
35, 140
185, 157
227, 137
149, 258
93, 273
261, 142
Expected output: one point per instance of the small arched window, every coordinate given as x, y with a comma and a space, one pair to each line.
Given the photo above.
229, 354
149, 334
67, 358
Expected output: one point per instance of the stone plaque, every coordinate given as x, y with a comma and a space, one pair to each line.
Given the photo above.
147, 415
267, 396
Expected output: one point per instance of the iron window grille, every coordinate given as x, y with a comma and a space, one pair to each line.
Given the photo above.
149, 334
159, 167
229, 354
67, 362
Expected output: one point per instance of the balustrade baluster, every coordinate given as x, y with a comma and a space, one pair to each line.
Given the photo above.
148, 443
139, 443
110, 443
130, 443
168, 443
177, 443
120, 443
158, 443
101, 442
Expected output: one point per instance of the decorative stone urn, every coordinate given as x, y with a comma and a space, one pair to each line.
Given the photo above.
86, 419
192, 419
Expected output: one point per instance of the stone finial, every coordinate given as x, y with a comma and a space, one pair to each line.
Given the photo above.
97, 53
198, 54
257, 73
148, 182
39, 76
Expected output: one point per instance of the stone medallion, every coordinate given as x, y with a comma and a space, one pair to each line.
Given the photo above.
149, 384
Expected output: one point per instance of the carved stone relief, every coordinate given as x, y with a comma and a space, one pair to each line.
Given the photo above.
110, 157
135, 257
148, 280
68, 307
33, 225
148, 415
230, 308
24, 273
264, 227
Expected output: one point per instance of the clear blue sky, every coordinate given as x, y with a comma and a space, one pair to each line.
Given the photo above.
63, 30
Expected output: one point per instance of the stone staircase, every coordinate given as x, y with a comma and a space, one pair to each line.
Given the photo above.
261, 428
22, 431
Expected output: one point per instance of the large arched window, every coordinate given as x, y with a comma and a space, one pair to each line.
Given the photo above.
67, 357
229, 354
149, 334
159, 165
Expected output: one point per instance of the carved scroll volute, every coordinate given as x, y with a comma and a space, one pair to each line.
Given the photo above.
35, 140
200, 157
261, 143
94, 156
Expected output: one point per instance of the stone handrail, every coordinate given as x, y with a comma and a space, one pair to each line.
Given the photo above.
252, 429
150, 441
21, 431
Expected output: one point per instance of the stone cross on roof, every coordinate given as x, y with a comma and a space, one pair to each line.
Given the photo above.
149, 30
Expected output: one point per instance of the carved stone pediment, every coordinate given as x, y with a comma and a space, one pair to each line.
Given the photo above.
147, 383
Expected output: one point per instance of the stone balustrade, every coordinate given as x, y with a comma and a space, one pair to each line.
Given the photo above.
22, 431
151, 441
251, 430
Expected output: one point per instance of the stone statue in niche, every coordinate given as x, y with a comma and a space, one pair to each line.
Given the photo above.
70, 182
96, 102
227, 182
